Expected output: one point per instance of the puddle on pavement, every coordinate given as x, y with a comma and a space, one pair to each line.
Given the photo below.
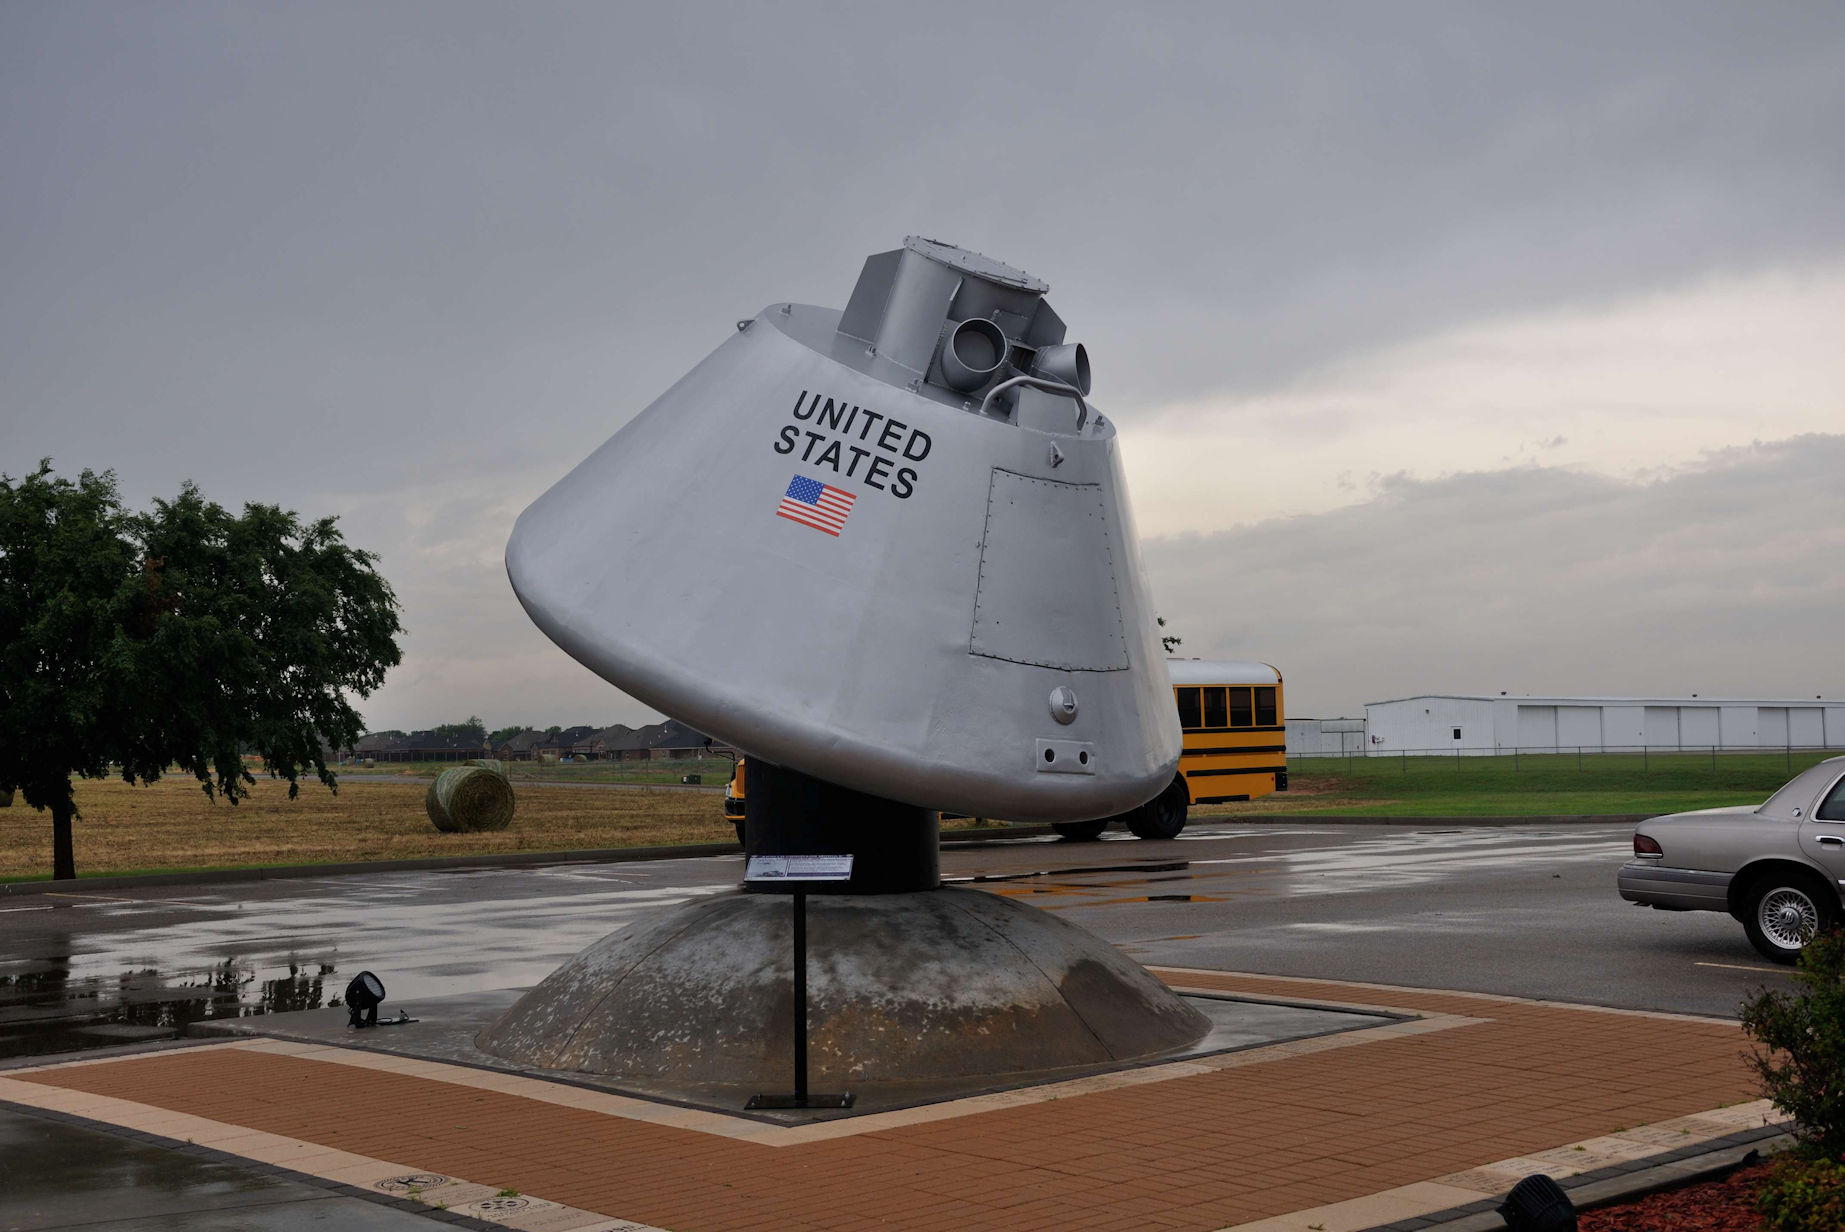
44, 1009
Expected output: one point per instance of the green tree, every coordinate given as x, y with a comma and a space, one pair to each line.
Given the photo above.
496, 739
472, 727
1170, 641
176, 637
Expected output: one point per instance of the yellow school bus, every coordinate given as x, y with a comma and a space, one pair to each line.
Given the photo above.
1235, 746
1235, 736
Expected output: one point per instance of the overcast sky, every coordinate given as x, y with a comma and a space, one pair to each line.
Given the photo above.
1454, 347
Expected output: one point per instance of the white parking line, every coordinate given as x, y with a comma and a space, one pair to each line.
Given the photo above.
1739, 967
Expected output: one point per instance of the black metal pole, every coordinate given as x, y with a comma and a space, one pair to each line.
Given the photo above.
800, 998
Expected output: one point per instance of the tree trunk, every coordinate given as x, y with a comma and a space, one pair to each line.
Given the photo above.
63, 854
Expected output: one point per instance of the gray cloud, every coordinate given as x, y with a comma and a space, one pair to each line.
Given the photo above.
1722, 580
392, 259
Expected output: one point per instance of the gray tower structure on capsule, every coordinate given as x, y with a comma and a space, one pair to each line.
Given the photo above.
917, 587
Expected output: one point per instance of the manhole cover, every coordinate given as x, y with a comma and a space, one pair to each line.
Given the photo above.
411, 1180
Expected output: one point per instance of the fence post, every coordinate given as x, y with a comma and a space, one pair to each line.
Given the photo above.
1515, 759
1579, 758
1645, 765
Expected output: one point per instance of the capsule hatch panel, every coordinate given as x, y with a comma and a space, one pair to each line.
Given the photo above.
1048, 593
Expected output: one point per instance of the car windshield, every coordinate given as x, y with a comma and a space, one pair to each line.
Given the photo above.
1800, 791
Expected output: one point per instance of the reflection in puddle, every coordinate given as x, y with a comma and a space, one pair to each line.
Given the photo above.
45, 1010
105, 971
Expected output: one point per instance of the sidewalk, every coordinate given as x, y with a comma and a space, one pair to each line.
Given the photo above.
1341, 1132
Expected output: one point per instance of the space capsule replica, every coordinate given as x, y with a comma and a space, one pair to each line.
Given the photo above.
888, 547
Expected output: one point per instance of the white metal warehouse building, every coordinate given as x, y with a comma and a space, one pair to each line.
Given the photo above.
1324, 737
1461, 723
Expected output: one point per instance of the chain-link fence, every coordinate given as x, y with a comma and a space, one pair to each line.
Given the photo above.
1640, 757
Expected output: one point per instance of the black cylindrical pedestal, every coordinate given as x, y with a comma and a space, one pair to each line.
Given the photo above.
895, 847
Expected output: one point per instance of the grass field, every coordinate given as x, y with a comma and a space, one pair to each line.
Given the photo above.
1540, 785
172, 825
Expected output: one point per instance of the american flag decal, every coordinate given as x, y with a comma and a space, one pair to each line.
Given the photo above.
819, 505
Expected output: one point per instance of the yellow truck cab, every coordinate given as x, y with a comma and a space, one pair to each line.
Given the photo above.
733, 799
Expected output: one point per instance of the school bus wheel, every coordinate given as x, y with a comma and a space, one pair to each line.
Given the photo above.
1081, 831
1164, 815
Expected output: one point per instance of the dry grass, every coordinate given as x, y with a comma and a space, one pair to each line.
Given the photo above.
172, 825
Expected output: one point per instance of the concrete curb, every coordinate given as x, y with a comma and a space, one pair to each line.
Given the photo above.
1708, 1161
508, 859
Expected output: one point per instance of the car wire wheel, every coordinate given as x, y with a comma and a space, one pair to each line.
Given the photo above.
1788, 917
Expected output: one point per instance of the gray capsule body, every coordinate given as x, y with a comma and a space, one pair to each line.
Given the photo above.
870, 583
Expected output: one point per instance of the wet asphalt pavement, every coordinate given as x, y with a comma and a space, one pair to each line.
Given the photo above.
58, 1175
1530, 911
1525, 911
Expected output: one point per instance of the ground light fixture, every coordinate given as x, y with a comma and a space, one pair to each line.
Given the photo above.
1538, 1204
363, 996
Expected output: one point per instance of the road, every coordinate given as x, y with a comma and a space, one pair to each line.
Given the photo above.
1526, 911
1529, 911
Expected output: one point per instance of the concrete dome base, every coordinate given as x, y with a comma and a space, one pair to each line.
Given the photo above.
919, 987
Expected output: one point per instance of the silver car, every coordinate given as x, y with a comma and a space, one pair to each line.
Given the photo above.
1778, 868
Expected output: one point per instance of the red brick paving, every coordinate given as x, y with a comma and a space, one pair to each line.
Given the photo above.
1196, 1152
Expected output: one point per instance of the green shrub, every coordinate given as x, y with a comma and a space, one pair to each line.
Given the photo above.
1801, 1061
1803, 1195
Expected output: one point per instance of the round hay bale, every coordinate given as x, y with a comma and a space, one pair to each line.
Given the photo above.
470, 798
489, 763
6, 797
371, 763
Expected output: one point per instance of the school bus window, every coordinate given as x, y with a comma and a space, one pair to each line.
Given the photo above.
1188, 708
1214, 708
1239, 708
1265, 707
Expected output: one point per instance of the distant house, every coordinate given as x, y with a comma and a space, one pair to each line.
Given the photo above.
564, 742
589, 746
419, 746
631, 745
374, 745
674, 740
521, 746
595, 745
671, 740
428, 746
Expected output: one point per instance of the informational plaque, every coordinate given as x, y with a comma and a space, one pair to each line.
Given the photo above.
799, 868
798, 872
